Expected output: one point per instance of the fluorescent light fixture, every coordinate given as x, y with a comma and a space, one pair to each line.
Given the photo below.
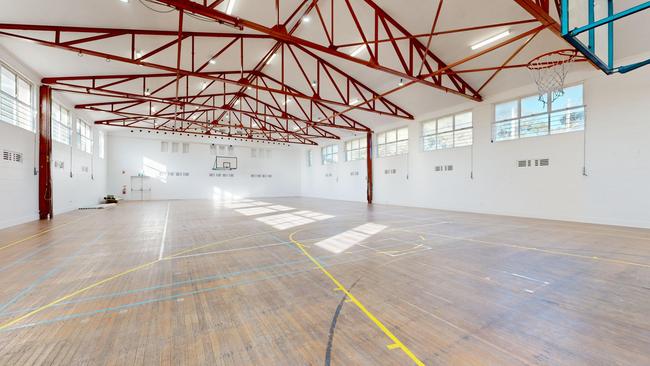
270, 59
231, 5
491, 40
124, 1
358, 50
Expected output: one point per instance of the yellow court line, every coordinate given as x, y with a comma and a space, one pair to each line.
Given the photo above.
339, 287
121, 274
44, 232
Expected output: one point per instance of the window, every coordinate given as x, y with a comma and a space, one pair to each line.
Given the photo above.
186, 148
447, 132
16, 97
309, 154
356, 149
330, 154
85, 135
102, 145
528, 117
61, 129
393, 142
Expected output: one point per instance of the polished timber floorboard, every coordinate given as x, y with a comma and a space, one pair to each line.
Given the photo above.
222, 283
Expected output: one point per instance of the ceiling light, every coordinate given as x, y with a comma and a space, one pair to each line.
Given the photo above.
313, 83
401, 82
147, 92
306, 19
212, 62
270, 59
296, 128
153, 109
204, 85
358, 50
124, 1
491, 40
231, 5
354, 101
138, 54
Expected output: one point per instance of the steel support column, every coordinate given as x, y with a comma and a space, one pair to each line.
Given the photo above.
369, 165
45, 203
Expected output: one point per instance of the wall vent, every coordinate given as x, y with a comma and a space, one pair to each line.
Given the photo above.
84, 169
444, 168
390, 171
328, 175
533, 163
59, 164
355, 173
164, 146
186, 147
13, 156
174, 147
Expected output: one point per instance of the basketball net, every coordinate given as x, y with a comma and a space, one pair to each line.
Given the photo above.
549, 71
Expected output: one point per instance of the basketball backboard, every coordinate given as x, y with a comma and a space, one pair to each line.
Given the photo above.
225, 163
594, 27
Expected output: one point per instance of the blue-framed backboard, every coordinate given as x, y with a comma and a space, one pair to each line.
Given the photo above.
590, 26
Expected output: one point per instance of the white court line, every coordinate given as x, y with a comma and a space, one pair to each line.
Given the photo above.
164, 235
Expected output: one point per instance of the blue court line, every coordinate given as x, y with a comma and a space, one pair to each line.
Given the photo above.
165, 298
24, 292
196, 280
23, 259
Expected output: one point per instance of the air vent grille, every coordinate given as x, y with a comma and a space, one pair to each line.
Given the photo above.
533, 163
13, 156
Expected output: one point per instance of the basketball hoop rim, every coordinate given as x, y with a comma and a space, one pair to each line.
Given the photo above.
569, 55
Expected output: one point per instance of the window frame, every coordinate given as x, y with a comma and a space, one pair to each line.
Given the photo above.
549, 113
453, 131
84, 141
330, 154
15, 106
385, 144
361, 150
57, 125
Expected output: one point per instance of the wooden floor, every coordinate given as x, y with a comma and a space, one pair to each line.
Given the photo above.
312, 282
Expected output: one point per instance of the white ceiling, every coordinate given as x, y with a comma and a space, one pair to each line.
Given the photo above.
414, 15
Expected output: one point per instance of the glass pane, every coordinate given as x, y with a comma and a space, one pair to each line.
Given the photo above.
446, 124
348, 155
403, 147
463, 120
429, 143
381, 150
445, 140
572, 98
567, 121
534, 126
65, 117
463, 137
335, 149
355, 144
532, 105
391, 149
429, 128
391, 136
363, 144
506, 110
56, 112
403, 134
362, 154
24, 92
8, 82
381, 138
355, 155
506, 130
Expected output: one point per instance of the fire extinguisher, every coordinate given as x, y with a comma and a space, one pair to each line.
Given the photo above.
123, 189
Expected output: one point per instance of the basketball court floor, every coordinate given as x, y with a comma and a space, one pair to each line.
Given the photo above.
298, 281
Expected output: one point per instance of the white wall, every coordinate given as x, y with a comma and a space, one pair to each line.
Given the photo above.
19, 185
128, 153
615, 190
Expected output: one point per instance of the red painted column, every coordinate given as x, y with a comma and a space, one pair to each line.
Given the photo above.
45, 206
369, 164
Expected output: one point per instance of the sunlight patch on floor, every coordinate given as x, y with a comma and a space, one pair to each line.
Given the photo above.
345, 240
